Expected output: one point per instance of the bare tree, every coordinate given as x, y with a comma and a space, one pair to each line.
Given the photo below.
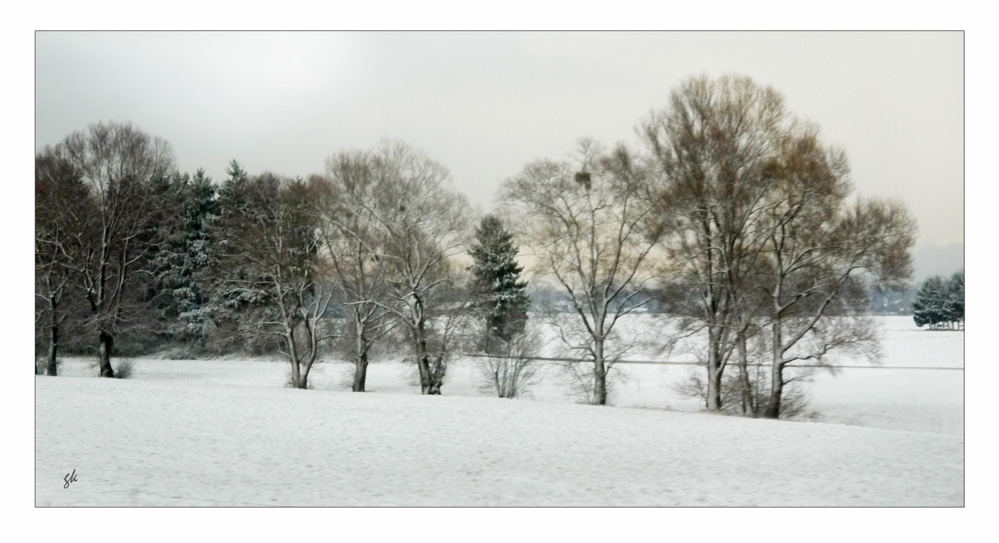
117, 163
587, 225
761, 231
421, 222
818, 248
270, 252
512, 368
710, 147
62, 205
348, 224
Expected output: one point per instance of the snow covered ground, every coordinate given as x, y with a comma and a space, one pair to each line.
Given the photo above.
225, 433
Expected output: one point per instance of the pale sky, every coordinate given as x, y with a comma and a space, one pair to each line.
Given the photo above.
485, 104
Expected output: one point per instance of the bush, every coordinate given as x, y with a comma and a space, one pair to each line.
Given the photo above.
513, 371
124, 369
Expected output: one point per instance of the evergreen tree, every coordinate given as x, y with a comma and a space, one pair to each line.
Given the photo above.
166, 236
500, 295
954, 305
222, 302
187, 207
190, 294
940, 302
929, 307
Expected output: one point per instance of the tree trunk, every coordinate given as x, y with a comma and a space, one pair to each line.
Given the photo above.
304, 379
714, 401
599, 375
296, 373
776, 376
360, 355
423, 364
422, 358
436, 369
748, 407
107, 343
360, 372
53, 350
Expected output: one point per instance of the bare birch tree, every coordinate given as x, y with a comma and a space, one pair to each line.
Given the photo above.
586, 221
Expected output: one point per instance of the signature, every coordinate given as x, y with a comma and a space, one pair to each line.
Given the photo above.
69, 478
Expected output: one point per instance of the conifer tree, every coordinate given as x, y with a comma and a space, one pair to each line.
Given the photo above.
954, 305
500, 295
929, 307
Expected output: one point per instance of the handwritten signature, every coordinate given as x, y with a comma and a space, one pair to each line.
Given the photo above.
69, 478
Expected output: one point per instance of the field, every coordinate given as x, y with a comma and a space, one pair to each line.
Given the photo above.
226, 433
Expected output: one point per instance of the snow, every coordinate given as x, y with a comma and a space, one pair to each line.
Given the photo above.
180, 443
225, 433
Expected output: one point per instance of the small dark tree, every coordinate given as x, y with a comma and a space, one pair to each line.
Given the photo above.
939, 302
929, 307
954, 305
500, 298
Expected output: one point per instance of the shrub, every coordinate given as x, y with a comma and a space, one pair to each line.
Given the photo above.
124, 369
512, 371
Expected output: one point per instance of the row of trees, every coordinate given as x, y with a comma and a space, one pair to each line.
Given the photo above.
342, 258
742, 217
733, 215
940, 302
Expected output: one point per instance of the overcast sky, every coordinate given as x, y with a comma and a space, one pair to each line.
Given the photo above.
484, 104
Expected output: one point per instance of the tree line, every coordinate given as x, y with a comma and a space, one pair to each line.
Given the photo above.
940, 303
731, 215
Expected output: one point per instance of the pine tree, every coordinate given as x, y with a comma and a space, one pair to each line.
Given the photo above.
954, 305
194, 316
223, 303
940, 302
929, 307
500, 295
188, 206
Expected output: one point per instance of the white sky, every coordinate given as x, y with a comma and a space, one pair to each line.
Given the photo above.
484, 104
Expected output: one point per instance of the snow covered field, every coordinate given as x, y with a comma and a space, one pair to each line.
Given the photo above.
225, 433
